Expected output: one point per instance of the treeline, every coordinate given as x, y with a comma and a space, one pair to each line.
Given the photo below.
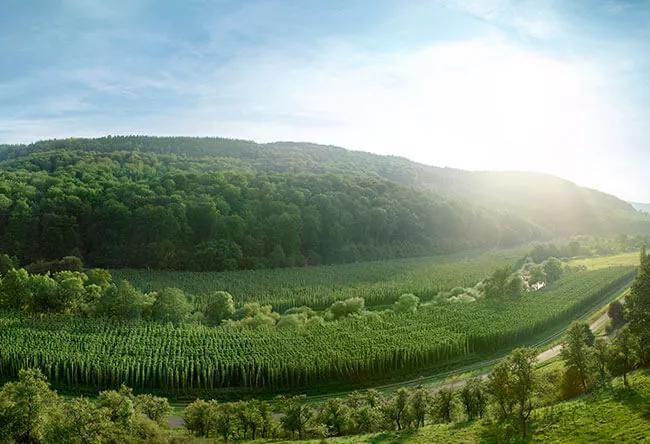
167, 211
31, 412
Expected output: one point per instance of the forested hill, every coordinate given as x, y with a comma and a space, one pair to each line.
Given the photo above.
214, 204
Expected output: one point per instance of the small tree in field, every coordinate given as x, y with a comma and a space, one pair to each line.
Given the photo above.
219, 306
297, 415
335, 415
623, 356
617, 314
407, 303
420, 402
601, 354
395, 409
577, 353
512, 384
472, 396
171, 305
443, 405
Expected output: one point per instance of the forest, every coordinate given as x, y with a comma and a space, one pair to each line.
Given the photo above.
219, 204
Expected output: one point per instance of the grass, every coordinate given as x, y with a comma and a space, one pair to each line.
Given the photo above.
595, 263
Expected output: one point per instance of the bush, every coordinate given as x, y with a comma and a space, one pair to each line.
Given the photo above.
407, 303
170, 305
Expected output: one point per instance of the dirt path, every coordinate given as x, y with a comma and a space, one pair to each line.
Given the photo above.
553, 352
545, 356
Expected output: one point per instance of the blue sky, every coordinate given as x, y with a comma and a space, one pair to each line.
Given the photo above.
561, 87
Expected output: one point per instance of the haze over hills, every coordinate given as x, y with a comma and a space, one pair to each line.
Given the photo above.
211, 203
641, 206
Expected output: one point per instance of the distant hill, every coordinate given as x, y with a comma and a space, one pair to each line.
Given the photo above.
547, 202
211, 203
641, 206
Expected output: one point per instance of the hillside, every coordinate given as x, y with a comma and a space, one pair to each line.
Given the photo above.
619, 415
218, 204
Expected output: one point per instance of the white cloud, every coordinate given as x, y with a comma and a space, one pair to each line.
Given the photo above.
476, 104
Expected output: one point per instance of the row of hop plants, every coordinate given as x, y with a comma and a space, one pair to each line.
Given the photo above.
102, 353
318, 287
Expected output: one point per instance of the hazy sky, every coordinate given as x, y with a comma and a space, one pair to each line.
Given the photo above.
556, 86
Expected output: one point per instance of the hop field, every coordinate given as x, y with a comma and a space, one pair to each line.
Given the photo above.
101, 353
379, 283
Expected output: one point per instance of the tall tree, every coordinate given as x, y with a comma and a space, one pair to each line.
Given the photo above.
623, 354
576, 351
513, 384
25, 406
297, 415
637, 308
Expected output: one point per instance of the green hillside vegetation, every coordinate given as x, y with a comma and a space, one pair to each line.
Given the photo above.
616, 415
219, 204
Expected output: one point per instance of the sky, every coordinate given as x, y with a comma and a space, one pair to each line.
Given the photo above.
561, 87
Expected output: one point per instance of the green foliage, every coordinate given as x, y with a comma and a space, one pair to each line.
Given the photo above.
342, 309
513, 385
124, 202
396, 409
199, 417
153, 407
244, 353
254, 315
170, 305
218, 306
25, 406
443, 405
297, 416
122, 302
406, 303
577, 352
334, 414
503, 283
623, 354
15, 292
82, 421
7, 263
616, 313
473, 398
552, 269
68, 263
637, 308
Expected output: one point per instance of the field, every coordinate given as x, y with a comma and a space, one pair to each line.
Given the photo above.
101, 353
618, 260
379, 282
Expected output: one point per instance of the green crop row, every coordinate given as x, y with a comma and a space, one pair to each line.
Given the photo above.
105, 353
379, 283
